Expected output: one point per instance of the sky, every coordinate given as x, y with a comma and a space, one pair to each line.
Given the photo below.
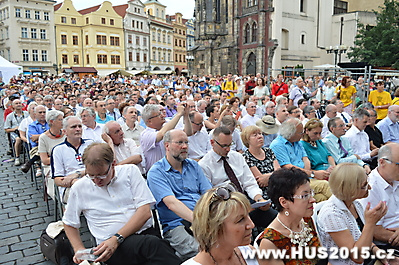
172, 6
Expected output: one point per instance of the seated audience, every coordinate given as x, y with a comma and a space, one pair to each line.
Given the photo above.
250, 118
389, 126
101, 112
212, 112
331, 112
198, 143
309, 113
281, 113
91, 128
269, 129
131, 126
375, 135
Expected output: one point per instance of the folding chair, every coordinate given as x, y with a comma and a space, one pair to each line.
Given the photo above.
32, 169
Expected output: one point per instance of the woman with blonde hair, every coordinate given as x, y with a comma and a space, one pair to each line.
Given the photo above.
342, 221
222, 227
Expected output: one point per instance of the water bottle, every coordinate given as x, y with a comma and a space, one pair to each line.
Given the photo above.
86, 254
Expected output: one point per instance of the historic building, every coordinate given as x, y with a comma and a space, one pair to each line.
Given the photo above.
179, 42
26, 34
137, 35
161, 32
92, 37
190, 33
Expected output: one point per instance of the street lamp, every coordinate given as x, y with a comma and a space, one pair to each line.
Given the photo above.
337, 50
190, 60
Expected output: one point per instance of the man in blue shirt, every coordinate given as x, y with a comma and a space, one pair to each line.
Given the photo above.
290, 153
389, 126
177, 183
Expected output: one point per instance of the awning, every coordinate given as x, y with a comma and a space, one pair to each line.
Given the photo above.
105, 72
135, 72
68, 71
184, 71
161, 72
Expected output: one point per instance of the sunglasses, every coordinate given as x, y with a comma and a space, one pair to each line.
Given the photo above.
222, 193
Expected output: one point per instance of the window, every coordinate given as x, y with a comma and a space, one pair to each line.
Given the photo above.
138, 57
169, 39
114, 41
33, 33
101, 39
115, 59
141, 25
302, 6
164, 38
37, 15
137, 40
44, 56
144, 41
24, 33
25, 55
63, 39
65, 58
247, 34
159, 37
63, 19
102, 58
159, 57
303, 38
87, 20
137, 24
46, 16
74, 40
284, 39
175, 42
43, 34
254, 32
27, 13
153, 36
132, 23
87, 58
175, 57
138, 10
145, 57
129, 38
130, 56
169, 57
154, 56
184, 43
76, 59
73, 20
17, 12
87, 39
340, 7
35, 55
111, 22
102, 20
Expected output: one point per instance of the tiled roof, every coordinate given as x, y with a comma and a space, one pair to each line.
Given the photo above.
57, 6
121, 9
89, 10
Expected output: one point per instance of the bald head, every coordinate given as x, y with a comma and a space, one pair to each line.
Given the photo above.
331, 111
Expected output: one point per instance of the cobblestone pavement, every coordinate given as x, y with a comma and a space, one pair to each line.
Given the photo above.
23, 212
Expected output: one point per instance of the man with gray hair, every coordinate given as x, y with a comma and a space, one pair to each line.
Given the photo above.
177, 183
270, 107
201, 106
250, 118
281, 113
384, 181
91, 129
290, 153
49, 102
389, 126
299, 91
151, 137
199, 143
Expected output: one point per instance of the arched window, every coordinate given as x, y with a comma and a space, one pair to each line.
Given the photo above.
247, 33
254, 32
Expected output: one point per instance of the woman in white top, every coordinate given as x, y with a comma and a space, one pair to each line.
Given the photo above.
260, 91
222, 227
342, 221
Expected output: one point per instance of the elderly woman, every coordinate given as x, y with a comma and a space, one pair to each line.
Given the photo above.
50, 138
222, 227
342, 221
290, 192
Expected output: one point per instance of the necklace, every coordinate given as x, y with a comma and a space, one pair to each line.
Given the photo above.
302, 237
214, 261
55, 135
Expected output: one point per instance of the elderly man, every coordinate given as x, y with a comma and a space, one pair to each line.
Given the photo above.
87, 103
389, 126
111, 110
199, 143
49, 102
384, 181
359, 139
340, 147
331, 112
250, 118
177, 183
281, 113
201, 107
170, 107
151, 137
116, 204
58, 104
270, 108
11, 125
91, 129
66, 158
222, 165
299, 91
290, 153
131, 127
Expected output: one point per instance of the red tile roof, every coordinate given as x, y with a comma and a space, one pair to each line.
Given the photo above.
121, 9
89, 10
57, 6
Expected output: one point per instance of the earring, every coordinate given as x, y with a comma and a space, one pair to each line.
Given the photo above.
286, 213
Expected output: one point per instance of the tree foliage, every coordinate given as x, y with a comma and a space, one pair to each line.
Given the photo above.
379, 45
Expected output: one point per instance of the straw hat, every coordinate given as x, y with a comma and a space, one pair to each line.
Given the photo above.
268, 125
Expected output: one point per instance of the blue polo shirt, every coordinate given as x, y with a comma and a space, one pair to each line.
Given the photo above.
36, 128
107, 119
287, 152
187, 187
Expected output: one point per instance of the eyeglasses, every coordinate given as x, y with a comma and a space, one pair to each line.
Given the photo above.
365, 186
223, 145
222, 193
198, 124
159, 114
391, 162
100, 177
306, 196
180, 143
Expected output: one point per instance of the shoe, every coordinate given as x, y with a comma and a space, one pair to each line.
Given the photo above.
9, 152
38, 172
26, 167
17, 162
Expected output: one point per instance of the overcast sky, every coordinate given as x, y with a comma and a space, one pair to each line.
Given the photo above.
186, 7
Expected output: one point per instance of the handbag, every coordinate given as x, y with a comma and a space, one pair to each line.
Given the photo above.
58, 249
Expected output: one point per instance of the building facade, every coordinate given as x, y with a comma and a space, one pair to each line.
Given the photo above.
91, 37
26, 34
190, 34
137, 36
179, 43
161, 34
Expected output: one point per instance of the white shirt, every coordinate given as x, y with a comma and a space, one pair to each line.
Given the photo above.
152, 150
107, 209
236, 144
325, 131
346, 115
23, 126
213, 168
360, 142
93, 134
127, 149
133, 133
198, 145
248, 120
334, 216
383, 191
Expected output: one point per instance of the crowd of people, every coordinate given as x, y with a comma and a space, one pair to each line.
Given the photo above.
215, 156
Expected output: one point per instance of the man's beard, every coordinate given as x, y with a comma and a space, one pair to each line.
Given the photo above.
179, 158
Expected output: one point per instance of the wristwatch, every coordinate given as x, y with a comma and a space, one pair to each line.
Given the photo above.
312, 174
119, 238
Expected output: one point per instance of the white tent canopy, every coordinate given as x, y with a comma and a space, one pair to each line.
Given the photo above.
326, 66
8, 70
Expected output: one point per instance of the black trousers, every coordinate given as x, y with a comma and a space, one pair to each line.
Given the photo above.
143, 249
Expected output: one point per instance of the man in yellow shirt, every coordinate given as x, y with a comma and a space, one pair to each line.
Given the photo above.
381, 100
229, 86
